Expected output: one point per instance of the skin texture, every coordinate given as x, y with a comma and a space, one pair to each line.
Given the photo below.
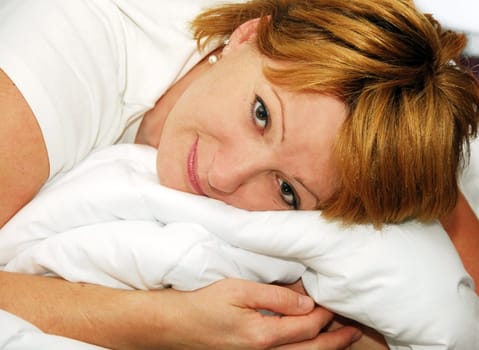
462, 225
23, 155
370, 340
92, 313
213, 143
150, 319
110, 317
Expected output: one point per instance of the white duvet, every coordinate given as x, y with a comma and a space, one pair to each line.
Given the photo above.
109, 222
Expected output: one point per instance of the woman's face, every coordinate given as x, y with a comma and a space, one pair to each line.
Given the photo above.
235, 137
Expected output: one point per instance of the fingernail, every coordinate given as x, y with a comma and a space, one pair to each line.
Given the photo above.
357, 336
305, 303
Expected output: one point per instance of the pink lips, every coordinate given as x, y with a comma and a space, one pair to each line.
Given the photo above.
192, 169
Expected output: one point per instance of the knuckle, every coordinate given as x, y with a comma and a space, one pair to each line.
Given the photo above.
262, 341
259, 338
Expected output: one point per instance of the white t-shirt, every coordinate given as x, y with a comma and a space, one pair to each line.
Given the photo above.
90, 69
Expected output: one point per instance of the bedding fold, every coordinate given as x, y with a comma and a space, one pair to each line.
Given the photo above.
109, 222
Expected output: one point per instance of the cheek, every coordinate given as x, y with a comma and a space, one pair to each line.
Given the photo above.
195, 112
171, 162
254, 196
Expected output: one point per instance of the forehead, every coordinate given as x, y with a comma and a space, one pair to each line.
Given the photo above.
313, 106
311, 125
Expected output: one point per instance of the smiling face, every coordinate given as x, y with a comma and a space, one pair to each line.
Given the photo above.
234, 136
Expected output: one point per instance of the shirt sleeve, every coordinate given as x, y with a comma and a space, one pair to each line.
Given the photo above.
65, 58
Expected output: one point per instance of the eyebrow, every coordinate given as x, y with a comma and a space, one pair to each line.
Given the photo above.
301, 182
283, 137
282, 117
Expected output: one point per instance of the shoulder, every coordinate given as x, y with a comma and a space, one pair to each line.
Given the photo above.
23, 156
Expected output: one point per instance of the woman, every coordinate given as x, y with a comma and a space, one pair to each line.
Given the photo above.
100, 73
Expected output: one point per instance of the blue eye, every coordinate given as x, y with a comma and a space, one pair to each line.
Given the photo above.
288, 194
260, 113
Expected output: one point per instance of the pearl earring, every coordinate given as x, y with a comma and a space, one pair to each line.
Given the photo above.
212, 59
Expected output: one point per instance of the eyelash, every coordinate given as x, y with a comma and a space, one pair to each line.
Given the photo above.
286, 189
262, 121
257, 120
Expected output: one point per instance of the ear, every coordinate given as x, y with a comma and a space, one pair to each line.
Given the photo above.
244, 33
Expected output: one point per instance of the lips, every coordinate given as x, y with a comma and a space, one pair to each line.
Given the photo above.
192, 169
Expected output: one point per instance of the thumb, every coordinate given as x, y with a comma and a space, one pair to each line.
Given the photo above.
280, 300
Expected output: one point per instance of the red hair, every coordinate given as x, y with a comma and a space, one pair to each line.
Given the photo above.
413, 108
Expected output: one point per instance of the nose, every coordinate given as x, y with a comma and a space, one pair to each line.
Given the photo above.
232, 168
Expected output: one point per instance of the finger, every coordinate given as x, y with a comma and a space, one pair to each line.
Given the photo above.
296, 286
294, 329
279, 299
339, 339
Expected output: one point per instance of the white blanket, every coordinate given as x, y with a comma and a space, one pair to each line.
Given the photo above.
109, 222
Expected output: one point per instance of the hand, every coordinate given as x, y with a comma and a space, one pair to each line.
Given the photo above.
224, 316
221, 316
370, 339
334, 335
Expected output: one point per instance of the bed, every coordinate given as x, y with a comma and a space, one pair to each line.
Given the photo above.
339, 267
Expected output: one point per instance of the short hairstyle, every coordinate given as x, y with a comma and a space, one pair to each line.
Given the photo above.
412, 106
